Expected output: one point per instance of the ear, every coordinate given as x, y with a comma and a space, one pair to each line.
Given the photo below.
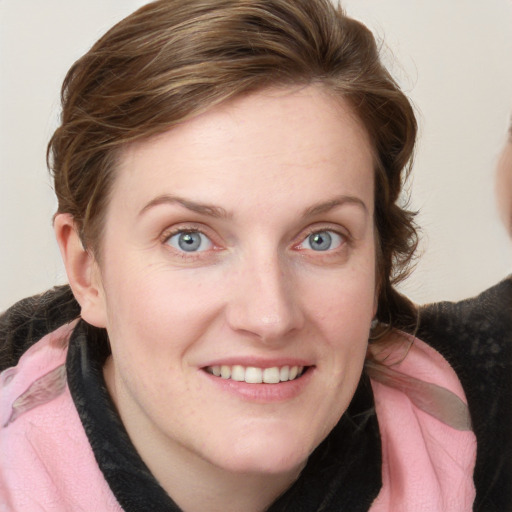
82, 270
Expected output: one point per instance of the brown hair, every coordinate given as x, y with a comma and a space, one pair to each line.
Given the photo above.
171, 60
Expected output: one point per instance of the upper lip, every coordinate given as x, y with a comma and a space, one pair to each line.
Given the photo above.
259, 362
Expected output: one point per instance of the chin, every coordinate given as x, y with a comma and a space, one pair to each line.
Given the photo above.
267, 454
259, 464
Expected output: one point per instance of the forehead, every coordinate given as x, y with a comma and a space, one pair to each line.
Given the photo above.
288, 139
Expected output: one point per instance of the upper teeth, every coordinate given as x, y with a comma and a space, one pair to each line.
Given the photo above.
254, 375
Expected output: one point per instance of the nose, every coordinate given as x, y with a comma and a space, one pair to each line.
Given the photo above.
264, 301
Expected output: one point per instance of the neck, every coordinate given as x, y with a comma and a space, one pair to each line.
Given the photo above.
201, 486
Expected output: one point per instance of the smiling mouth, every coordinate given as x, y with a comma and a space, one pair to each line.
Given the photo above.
254, 375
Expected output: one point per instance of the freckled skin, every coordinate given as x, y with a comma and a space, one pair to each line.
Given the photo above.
256, 289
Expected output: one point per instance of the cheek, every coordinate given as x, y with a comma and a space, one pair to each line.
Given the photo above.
343, 307
152, 305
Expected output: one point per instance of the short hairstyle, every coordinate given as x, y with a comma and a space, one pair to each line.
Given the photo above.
173, 59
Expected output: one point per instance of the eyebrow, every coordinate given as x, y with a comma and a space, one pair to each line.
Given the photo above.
219, 212
326, 206
203, 209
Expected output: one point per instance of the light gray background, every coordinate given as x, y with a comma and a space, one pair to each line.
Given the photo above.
452, 57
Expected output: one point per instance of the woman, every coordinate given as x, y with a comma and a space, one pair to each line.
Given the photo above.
228, 175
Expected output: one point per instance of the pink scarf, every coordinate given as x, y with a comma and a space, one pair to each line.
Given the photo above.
428, 447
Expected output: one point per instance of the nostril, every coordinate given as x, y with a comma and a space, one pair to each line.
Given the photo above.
264, 303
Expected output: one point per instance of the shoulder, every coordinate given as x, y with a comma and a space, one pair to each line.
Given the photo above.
37, 379
479, 323
31, 319
475, 336
42, 440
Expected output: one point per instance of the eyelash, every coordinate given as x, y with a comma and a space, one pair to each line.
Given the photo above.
167, 235
303, 237
345, 240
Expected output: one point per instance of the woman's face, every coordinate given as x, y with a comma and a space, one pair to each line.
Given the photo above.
239, 247
504, 185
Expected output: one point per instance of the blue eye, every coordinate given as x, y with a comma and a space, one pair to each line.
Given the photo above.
322, 241
190, 241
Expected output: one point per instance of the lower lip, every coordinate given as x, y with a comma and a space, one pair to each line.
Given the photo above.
263, 393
